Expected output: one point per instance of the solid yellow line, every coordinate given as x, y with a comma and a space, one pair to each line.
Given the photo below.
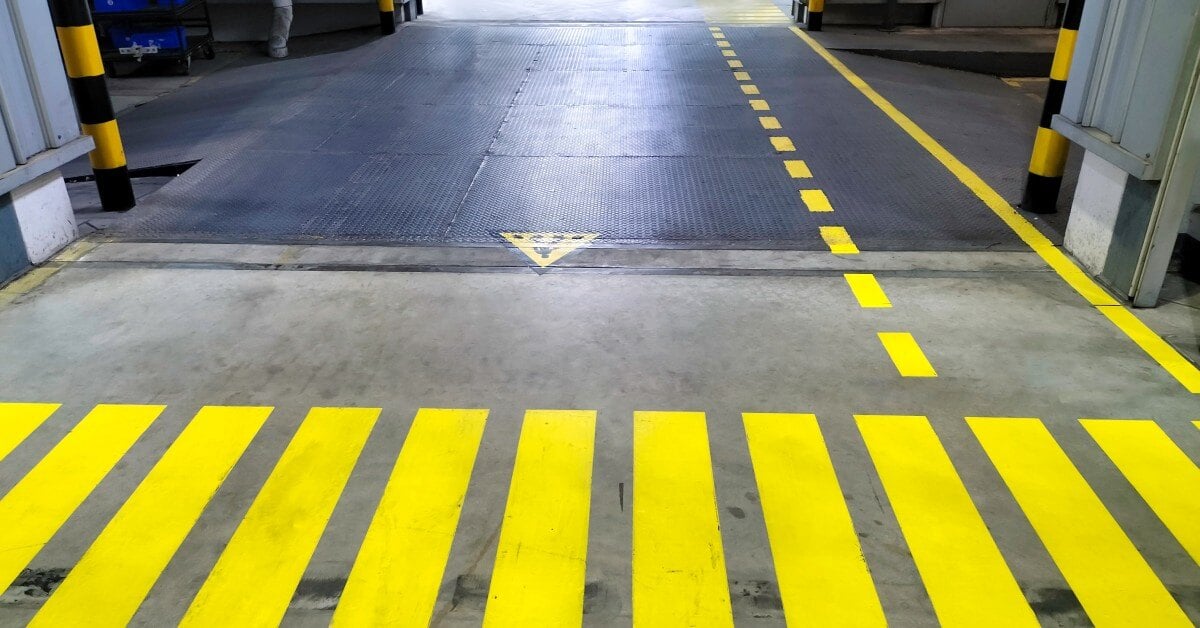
80, 51
783, 144
112, 579
741, 76
759, 105
256, 576
964, 573
42, 501
1154, 346
1114, 584
19, 420
906, 354
769, 122
31, 280
839, 241
867, 290
797, 169
823, 579
816, 201
750, 90
541, 559
399, 569
1160, 472
1168, 358
678, 561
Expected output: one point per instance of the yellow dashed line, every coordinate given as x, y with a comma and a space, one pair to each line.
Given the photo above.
839, 241
723, 44
718, 35
783, 144
798, 169
769, 122
906, 354
715, 29
729, 53
742, 76
816, 201
736, 64
867, 290
750, 90
760, 105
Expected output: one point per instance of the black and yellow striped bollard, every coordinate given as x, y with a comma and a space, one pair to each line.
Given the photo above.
1050, 148
81, 56
816, 11
387, 16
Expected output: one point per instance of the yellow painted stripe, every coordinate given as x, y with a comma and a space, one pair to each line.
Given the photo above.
541, 559
760, 105
36, 277
718, 35
750, 90
678, 561
1049, 158
906, 354
816, 201
735, 64
109, 152
1160, 472
42, 501
769, 122
1168, 358
822, 576
816, 6
80, 51
256, 576
715, 29
109, 583
729, 53
839, 241
387, 6
723, 44
1105, 571
741, 76
867, 290
798, 169
964, 573
1064, 52
19, 420
399, 568
783, 144
1158, 349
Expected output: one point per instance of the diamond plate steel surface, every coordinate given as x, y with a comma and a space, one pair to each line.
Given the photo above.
417, 130
714, 88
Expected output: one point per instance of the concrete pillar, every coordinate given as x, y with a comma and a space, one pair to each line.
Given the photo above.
36, 221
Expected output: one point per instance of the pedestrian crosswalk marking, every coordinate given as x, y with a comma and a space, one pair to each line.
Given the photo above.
1114, 584
964, 573
256, 575
822, 576
544, 249
118, 570
678, 556
42, 501
678, 559
541, 559
399, 568
1160, 472
19, 420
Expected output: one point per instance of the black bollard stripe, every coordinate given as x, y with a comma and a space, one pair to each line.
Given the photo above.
68, 13
116, 191
92, 100
1054, 100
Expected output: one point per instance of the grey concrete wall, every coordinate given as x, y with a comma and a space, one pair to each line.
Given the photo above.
999, 13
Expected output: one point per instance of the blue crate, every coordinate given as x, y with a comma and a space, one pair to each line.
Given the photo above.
121, 6
169, 39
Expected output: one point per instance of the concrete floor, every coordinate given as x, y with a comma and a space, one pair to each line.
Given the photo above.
616, 330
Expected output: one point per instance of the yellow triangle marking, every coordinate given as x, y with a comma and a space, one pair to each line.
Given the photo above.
546, 248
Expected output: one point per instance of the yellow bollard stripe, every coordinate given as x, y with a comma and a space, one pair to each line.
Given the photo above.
823, 578
387, 6
19, 420
964, 573
42, 501
256, 576
1064, 52
816, 6
1160, 472
679, 574
1111, 579
541, 558
112, 579
399, 569
80, 51
1049, 153
109, 152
